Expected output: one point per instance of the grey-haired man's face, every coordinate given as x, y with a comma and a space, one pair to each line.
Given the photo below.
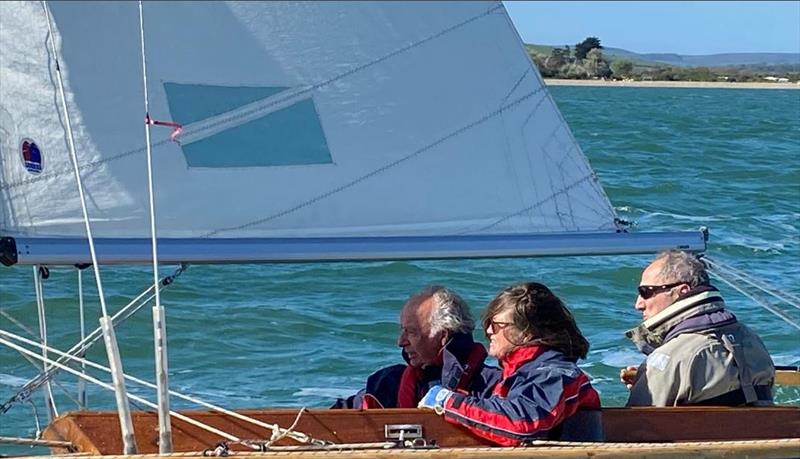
415, 327
649, 307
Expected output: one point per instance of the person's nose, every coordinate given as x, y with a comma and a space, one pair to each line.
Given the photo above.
489, 331
639, 305
402, 340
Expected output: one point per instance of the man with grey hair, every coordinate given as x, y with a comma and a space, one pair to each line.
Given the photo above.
435, 333
698, 353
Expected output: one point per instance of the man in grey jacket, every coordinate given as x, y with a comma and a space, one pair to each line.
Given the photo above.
697, 352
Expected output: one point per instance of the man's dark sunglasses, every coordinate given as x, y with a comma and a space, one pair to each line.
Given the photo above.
649, 291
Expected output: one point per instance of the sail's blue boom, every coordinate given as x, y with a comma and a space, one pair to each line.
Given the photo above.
75, 251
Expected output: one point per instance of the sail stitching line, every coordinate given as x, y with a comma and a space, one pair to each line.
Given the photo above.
512, 171
571, 154
188, 132
574, 147
379, 170
522, 132
293, 95
560, 166
533, 206
516, 85
574, 155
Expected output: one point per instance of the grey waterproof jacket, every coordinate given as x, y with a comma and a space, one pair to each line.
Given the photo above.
699, 354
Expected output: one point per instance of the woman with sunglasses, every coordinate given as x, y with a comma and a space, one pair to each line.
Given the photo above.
534, 337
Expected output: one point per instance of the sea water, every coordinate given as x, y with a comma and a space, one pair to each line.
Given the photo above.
303, 334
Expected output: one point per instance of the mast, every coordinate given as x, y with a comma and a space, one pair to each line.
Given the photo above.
159, 315
112, 350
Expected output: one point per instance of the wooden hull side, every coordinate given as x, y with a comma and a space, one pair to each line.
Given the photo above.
98, 433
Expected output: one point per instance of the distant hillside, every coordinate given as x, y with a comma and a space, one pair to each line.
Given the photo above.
684, 60
709, 60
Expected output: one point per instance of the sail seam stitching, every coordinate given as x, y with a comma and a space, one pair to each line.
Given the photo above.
333, 79
378, 171
534, 205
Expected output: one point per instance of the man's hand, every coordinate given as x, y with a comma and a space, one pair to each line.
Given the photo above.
435, 399
628, 375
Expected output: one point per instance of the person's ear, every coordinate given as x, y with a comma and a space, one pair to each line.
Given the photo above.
445, 338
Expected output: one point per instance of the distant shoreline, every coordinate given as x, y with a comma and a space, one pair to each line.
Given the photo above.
671, 84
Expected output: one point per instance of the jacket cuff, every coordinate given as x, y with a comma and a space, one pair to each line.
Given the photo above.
454, 401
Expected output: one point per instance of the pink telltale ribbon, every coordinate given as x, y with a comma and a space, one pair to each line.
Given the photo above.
176, 127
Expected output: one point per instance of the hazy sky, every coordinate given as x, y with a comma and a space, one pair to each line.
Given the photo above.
683, 27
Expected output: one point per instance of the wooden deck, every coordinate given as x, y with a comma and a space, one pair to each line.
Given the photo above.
633, 432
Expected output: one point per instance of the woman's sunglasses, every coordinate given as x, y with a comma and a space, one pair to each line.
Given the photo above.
649, 291
497, 327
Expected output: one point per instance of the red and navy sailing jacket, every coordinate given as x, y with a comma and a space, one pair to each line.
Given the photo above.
539, 388
403, 386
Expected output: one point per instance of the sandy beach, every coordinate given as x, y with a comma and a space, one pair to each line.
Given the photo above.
672, 84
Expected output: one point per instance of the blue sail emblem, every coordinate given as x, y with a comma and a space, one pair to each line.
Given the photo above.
32, 156
235, 126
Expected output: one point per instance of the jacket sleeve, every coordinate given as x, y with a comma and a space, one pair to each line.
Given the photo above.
532, 407
380, 391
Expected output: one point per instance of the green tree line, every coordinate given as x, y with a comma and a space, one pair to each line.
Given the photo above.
587, 61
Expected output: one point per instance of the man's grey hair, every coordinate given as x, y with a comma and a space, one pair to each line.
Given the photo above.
680, 266
450, 312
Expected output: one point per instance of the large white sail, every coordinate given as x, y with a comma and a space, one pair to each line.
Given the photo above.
299, 120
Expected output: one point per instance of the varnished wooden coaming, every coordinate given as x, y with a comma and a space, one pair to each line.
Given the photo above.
99, 433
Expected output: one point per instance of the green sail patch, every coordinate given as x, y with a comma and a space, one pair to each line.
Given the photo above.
285, 137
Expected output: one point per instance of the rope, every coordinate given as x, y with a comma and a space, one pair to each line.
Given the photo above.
35, 365
277, 431
82, 399
758, 301
36, 417
111, 388
121, 395
331, 447
667, 446
24, 393
74, 157
36, 442
542, 448
788, 298
38, 272
149, 154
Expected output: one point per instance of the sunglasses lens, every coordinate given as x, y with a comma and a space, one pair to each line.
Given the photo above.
646, 292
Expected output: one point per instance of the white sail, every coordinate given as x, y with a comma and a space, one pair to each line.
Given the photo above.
310, 119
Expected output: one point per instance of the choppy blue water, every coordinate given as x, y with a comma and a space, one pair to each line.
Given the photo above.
303, 334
